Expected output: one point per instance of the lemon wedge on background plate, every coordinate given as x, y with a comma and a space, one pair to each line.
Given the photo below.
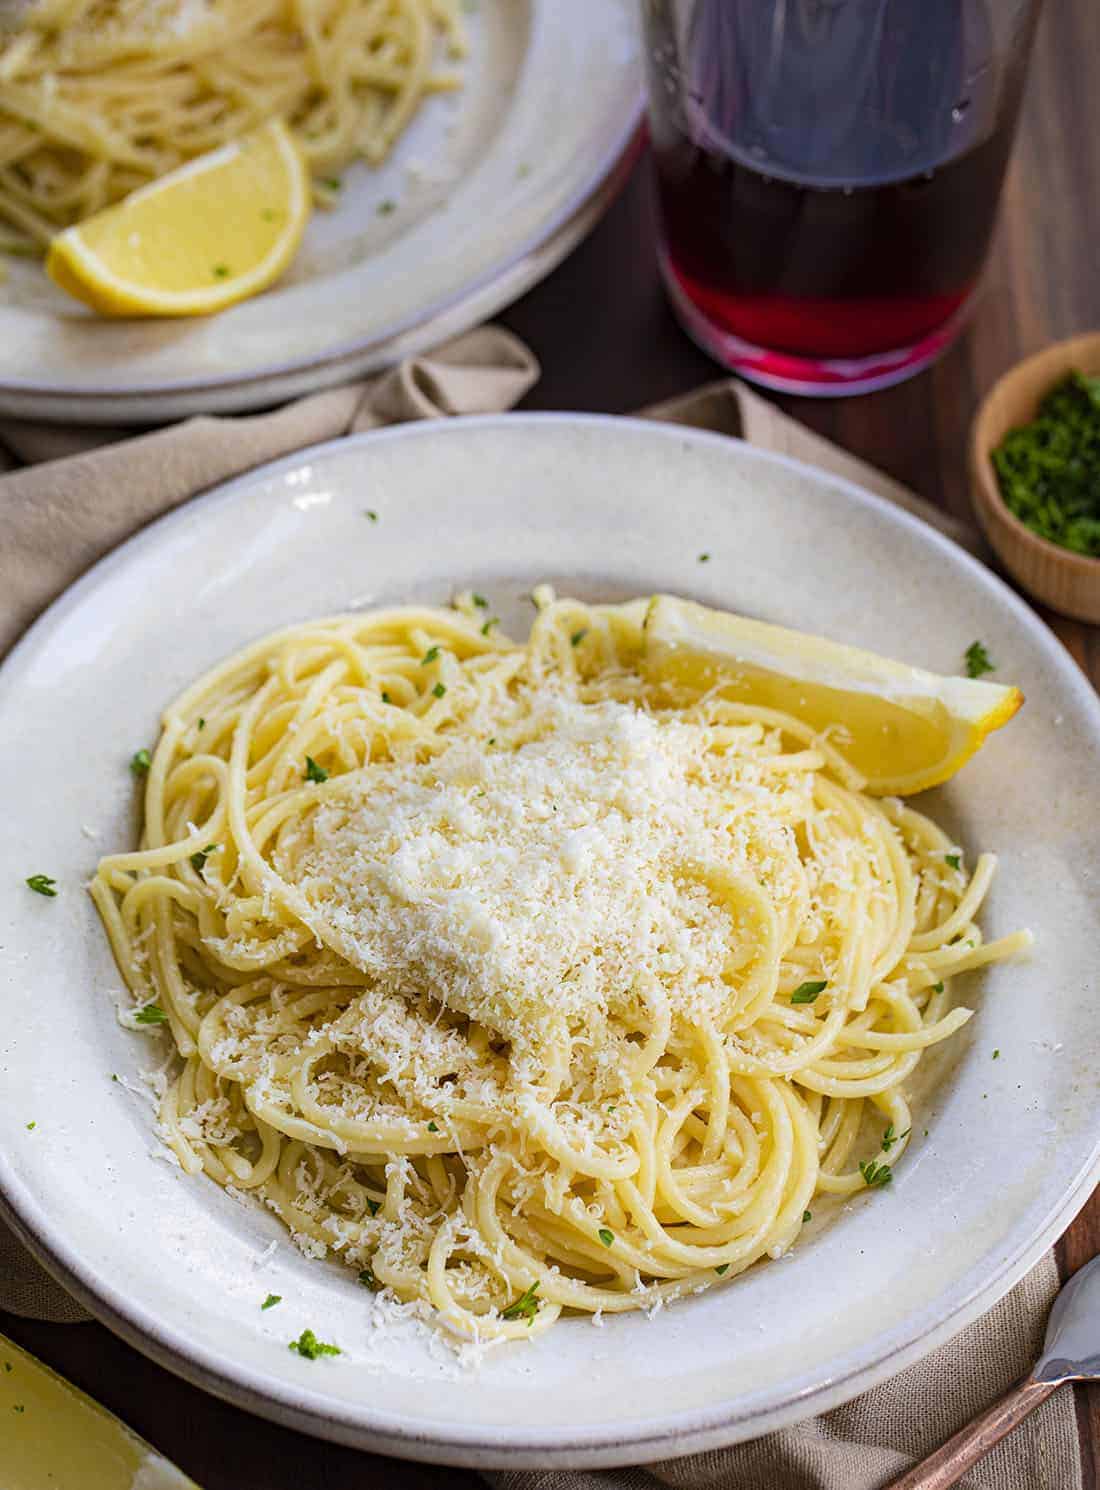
56, 1438
213, 232
901, 728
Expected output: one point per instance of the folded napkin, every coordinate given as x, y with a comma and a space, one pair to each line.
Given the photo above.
86, 490
74, 494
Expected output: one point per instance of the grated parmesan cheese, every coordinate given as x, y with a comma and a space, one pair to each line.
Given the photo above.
544, 884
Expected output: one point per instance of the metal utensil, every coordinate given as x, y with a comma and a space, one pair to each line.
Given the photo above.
1071, 1352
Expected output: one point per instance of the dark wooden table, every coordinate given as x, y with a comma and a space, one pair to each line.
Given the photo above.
608, 342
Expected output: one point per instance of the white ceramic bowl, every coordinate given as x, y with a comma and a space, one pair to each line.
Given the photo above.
603, 508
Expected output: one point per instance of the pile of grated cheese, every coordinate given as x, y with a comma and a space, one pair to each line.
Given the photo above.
532, 887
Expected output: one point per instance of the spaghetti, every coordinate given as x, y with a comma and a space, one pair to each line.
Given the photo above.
100, 97
518, 978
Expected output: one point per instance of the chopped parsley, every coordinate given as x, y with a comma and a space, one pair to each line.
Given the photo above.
30, 1126
150, 1013
221, 271
308, 1346
199, 859
18, 1407
489, 624
429, 656
332, 182
953, 859
439, 690
937, 987
386, 698
374, 1206
1049, 470
875, 1175
978, 660
807, 1216
386, 207
370, 514
271, 1300
480, 601
605, 1236
314, 772
704, 558
368, 1280
889, 1138
806, 993
996, 1057
42, 884
578, 637
433, 1127
202, 724
525, 1307
722, 1268
140, 762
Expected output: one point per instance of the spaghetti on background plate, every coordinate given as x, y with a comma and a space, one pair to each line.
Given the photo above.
525, 978
100, 97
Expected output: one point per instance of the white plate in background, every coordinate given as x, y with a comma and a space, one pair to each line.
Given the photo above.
1004, 1151
488, 189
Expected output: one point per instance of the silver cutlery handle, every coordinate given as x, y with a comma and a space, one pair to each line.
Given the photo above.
950, 1462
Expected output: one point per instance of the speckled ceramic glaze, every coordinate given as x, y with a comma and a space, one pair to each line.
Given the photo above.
478, 200
1004, 1151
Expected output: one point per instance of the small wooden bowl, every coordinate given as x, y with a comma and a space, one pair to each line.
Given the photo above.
1067, 582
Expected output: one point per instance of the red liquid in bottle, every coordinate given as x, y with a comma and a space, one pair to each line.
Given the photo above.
809, 222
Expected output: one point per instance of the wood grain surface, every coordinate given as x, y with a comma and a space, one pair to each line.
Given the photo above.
607, 341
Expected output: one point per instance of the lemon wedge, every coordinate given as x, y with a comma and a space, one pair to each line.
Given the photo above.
903, 729
54, 1436
220, 228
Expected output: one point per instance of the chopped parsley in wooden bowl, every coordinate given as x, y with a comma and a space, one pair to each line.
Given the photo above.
1035, 474
1049, 470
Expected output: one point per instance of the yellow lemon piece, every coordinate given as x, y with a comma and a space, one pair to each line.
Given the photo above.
217, 230
53, 1436
901, 728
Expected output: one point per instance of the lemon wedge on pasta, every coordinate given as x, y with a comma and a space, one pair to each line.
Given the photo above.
903, 729
218, 229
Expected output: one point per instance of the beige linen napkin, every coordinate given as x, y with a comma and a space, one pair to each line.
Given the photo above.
83, 491
83, 495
